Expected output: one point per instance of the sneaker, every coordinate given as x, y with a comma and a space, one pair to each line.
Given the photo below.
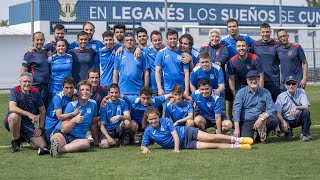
309, 136
304, 138
54, 150
15, 145
43, 151
246, 140
89, 136
245, 146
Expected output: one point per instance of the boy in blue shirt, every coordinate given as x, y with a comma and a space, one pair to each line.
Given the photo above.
209, 109
179, 110
71, 137
114, 119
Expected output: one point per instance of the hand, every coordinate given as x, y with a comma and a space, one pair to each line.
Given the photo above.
257, 124
137, 53
303, 83
78, 119
31, 49
104, 100
33, 118
160, 92
76, 111
176, 123
284, 126
37, 132
111, 141
145, 151
216, 92
176, 151
114, 118
293, 112
217, 63
236, 133
186, 58
119, 50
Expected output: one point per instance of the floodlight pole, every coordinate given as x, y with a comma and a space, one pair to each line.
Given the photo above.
165, 17
280, 13
32, 19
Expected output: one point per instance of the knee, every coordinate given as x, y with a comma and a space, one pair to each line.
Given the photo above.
306, 112
86, 144
127, 124
190, 123
197, 120
14, 118
104, 145
134, 126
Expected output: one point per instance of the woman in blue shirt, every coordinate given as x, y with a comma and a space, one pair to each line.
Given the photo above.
163, 132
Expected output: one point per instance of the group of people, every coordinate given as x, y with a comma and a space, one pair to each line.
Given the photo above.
121, 90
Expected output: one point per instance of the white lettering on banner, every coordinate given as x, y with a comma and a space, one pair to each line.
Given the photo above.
126, 14
250, 14
93, 12
114, 13
309, 17
287, 16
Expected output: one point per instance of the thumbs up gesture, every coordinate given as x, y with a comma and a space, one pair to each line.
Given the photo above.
78, 118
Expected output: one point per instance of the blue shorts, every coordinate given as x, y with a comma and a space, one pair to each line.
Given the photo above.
68, 137
210, 122
114, 133
190, 138
26, 130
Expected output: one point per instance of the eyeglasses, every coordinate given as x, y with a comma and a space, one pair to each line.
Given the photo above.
291, 83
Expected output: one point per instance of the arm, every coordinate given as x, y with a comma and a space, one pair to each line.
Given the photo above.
284, 124
232, 85
192, 88
105, 132
176, 141
13, 108
158, 80
220, 88
137, 52
190, 116
66, 126
186, 81
38, 131
63, 117
115, 77
303, 82
146, 77
236, 132
261, 79
218, 123
125, 116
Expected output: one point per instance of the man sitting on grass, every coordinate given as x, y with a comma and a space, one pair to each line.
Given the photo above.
24, 104
71, 136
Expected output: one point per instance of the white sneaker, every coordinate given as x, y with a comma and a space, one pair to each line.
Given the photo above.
89, 136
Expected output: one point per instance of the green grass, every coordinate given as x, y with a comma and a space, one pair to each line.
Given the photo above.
277, 160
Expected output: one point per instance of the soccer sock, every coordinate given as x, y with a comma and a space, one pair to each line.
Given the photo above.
235, 140
235, 146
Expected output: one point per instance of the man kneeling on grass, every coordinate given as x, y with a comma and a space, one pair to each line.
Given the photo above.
71, 135
163, 132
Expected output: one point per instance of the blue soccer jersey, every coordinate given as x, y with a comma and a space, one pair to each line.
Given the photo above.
178, 111
82, 62
88, 111
93, 44
162, 134
240, 68
231, 43
215, 75
291, 59
110, 110
151, 57
267, 52
107, 58
137, 109
28, 102
61, 67
131, 72
38, 65
194, 53
59, 101
172, 68
208, 107
51, 48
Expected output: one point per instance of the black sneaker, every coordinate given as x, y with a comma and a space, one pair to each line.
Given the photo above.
15, 145
43, 151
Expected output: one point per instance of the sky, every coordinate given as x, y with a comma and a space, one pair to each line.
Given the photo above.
4, 5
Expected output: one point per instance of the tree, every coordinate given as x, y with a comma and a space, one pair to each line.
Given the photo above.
313, 3
4, 23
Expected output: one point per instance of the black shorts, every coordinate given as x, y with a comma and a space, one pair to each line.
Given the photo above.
114, 133
190, 138
26, 130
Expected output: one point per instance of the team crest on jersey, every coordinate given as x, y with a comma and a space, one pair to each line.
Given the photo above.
289, 53
218, 53
93, 46
162, 129
68, 10
68, 60
209, 104
185, 109
248, 67
179, 57
89, 111
211, 76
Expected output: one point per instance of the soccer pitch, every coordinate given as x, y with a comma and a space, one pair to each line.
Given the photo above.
278, 159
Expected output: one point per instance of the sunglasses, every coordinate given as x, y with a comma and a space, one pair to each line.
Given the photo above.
291, 83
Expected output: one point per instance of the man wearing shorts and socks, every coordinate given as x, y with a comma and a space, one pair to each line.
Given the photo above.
25, 101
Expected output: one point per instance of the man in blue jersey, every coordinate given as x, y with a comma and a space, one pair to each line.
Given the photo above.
133, 73
37, 64
240, 64
266, 49
115, 120
230, 42
142, 37
94, 44
189, 54
119, 31
24, 103
209, 109
83, 57
71, 136
292, 60
107, 58
151, 54
55, 110
253, 110
58, 33
169, 68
